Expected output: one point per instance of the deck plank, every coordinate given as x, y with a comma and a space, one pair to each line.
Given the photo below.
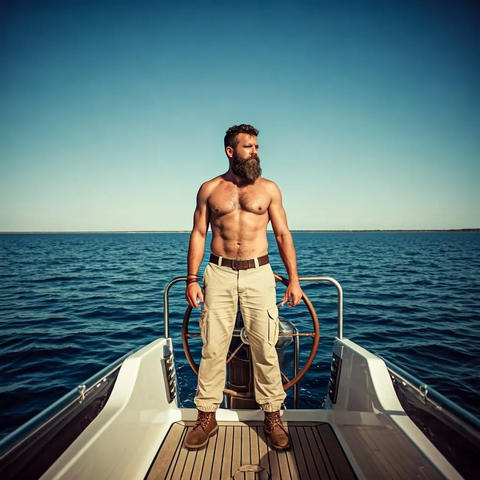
368, 465
263, 449
182, 456
236, 450
217, 452
254, 448
381, 462
383, 453
321, 466
283, 464
399, 449
298, 452
322, 452
246, 448
226, 471
273, 460
388, 445
310, 455
290, 458
190, 461
167, 451
342, 469
204, 471
197, 467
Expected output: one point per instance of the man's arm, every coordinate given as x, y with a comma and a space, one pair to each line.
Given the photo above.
278, 218
196, 247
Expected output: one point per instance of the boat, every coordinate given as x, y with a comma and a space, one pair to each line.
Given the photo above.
377, 420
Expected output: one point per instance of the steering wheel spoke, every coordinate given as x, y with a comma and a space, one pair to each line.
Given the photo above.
232, 355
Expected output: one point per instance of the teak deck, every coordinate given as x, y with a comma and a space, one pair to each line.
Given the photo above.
241, 451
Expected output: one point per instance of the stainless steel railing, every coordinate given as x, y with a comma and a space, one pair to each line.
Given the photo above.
439, 404
340, 299
166, 309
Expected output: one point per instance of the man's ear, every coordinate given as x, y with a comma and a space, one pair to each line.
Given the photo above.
229, 152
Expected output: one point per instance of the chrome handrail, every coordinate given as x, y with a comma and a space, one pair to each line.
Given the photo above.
429, 396
340, 299
166, 309
331, 280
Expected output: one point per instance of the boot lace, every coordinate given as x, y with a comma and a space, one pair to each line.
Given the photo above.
202, 420
273, 419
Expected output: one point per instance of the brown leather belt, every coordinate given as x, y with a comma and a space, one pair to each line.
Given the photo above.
238, 264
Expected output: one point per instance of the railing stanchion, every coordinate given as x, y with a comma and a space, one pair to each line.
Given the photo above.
340, 299
166, 312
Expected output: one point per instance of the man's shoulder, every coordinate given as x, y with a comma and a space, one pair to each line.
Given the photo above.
207, 188
266, 183
212, 183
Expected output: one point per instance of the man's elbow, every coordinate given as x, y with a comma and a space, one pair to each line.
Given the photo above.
201, 234
283, 236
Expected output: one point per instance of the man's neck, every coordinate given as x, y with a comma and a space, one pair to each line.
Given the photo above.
238, 181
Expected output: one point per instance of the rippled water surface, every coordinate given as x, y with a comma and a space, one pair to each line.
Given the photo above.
72, 303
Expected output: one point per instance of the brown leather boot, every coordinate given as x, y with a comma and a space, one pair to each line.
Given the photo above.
279, 439
204, 428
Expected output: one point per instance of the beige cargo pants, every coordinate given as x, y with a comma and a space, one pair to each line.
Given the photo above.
255, 290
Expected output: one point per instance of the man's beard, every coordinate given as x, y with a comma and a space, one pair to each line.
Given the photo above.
248, 169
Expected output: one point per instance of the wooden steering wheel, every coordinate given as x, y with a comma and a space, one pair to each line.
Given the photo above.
315, 335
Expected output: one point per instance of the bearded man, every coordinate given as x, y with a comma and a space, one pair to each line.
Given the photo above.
238, 206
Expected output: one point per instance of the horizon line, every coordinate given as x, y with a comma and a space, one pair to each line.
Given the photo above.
32, 232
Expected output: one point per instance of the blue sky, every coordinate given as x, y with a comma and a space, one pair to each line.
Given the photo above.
112, 113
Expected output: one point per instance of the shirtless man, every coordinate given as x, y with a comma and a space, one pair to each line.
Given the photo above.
238, 205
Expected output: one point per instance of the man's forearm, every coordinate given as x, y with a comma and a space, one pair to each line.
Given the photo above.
196, 251
286, 249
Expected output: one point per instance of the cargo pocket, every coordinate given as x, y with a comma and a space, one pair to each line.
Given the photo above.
272, 325
203, 324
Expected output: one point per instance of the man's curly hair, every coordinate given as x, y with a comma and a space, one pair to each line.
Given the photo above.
231, 140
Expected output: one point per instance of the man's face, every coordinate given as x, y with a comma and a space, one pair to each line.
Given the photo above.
245, 161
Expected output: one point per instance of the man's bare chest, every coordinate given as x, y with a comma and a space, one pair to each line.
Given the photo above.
227, 200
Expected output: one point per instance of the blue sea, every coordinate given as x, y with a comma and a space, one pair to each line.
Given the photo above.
70, 304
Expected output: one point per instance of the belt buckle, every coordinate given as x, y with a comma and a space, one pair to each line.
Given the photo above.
240, 265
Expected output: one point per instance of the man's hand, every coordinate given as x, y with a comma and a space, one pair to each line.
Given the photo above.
293, 295
194, 294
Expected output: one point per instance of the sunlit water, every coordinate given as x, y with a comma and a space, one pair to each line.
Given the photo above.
72, 303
